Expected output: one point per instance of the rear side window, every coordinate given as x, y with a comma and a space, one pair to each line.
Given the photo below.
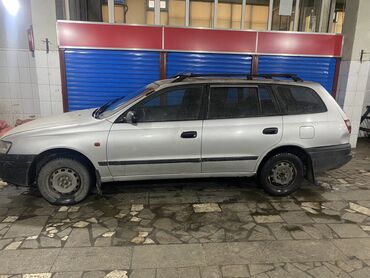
299, 100
233, 102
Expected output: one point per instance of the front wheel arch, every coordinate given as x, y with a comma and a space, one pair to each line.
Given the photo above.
48, 155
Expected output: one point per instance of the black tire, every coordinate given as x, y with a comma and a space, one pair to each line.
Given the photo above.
64, 181
277, 185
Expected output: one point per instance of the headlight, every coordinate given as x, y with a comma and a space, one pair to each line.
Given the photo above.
4, 147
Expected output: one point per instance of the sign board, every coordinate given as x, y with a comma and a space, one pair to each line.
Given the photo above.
285, 7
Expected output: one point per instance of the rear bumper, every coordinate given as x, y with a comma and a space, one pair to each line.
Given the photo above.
329, 157
14, 168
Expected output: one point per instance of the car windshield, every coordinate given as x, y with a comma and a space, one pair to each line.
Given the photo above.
114, 105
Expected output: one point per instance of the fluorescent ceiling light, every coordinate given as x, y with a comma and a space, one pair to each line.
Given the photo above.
12, 6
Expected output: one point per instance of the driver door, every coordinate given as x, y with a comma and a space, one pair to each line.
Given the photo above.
165, 140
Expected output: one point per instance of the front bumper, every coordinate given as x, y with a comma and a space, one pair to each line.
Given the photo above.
329, 157
14, 168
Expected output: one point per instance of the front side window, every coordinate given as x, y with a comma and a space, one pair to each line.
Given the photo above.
299, 100
179, 104
233, 102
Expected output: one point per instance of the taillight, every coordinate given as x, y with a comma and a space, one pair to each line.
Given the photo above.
348, 125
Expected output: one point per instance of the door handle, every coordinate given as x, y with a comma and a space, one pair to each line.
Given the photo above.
270, 130
189, 134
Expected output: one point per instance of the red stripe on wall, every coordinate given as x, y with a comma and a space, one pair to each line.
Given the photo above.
189, 39
299, 43
72, 34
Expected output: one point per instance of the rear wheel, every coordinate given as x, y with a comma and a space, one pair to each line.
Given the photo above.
282, 174
64, 181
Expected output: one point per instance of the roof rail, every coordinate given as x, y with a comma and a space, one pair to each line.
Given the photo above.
294, 77
183, 76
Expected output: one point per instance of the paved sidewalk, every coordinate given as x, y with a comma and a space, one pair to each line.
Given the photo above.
194, 228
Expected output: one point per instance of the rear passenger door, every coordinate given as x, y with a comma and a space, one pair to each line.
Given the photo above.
242, 122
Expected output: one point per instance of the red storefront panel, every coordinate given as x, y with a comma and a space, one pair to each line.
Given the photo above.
299, 44
190, 39
98, 35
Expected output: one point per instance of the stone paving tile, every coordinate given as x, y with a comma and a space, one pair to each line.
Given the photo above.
361, 273
13, 246
78, 238
178, 272
117, 274
348, 230
210, 272
94, 274
235, 271
67, 275
354, 217
93, 258
296, 217
27, 227
255, 269
268, 218
322, 272
162, 256
27, 261
270, 251
143, 273
355, 247
209, 207
286, 205
5, 242
37, 275
359, 208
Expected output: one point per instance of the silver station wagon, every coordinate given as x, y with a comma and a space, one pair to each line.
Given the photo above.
275, 127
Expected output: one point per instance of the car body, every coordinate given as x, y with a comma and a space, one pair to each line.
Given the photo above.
186, 127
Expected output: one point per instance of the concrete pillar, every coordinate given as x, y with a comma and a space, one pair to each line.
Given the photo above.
325, 16
46, 62
354, 75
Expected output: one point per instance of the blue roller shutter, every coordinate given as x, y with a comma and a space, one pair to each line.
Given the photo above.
317, 69
180, 62
96, 76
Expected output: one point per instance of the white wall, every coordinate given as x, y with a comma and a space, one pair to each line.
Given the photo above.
48, 82
354, 75
30, 85
18, 92
353, 80
366, 103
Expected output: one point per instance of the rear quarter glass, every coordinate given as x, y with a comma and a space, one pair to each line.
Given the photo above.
299, 100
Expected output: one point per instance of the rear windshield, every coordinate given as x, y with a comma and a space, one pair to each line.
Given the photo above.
299, 100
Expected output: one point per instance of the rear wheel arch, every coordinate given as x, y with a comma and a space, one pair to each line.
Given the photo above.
293, 149
48, 155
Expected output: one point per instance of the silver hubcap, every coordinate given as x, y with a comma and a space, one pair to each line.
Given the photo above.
282, 174
65, 181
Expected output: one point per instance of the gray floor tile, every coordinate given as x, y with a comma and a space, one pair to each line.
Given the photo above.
93, 258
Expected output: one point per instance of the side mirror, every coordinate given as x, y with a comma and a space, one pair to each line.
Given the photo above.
131, 117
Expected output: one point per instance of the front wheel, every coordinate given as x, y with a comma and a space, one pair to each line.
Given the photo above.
282, 174
64, 181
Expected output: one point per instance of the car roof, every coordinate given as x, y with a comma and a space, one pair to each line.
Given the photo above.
160, 84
